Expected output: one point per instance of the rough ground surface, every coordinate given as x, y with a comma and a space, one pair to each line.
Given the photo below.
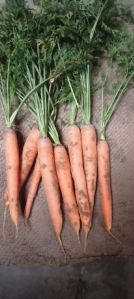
97, 280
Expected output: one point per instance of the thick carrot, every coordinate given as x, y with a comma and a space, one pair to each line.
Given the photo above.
50, 181
29, 154
104, 182
12, 172
74, 144
66, 185
36, 177
89, 147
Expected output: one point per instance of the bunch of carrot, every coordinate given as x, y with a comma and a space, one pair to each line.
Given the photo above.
70, 172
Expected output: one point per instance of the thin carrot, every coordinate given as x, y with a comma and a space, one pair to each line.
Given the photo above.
104, 182
36, 177
12, 170
29, 154
104, 154
50, 181
66, 185
75, 154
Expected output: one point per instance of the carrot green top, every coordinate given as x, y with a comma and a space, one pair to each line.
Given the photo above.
107, 113
7, 97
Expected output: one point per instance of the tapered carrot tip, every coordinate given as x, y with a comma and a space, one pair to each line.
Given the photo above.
61, 245
17, 231
114, 237
4, 222
78, 237
86, 232
85, 241
27, 223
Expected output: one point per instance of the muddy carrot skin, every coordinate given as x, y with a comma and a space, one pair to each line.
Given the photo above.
89, 147
105, 182
35, 181
12, 173
29, 154
50, 181
74, 144
66, 185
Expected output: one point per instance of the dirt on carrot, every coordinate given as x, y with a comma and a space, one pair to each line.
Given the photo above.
74, 144
12, 172
89, 147
66, 186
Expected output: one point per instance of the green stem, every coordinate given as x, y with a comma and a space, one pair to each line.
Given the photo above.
113, 107
116, 95
53, 132
102, 132
73, 113
85, 80
12, 118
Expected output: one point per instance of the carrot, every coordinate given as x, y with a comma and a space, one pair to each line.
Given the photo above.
29, 154
104, 182
104, 154
66, 185
12, 170
89, 147
50, 181
75, 154
36, 177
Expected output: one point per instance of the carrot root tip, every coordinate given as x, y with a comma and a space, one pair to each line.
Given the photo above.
17, 231
61, 245
4, 222
86, 232
85, 242
78, 237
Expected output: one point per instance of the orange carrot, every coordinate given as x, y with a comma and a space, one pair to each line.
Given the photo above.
66, 185
89, 147
104, 182
50, 181
36, 177
12, 171
29, 154
75, 153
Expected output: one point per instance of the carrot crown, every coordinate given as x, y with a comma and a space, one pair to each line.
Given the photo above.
52, 127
